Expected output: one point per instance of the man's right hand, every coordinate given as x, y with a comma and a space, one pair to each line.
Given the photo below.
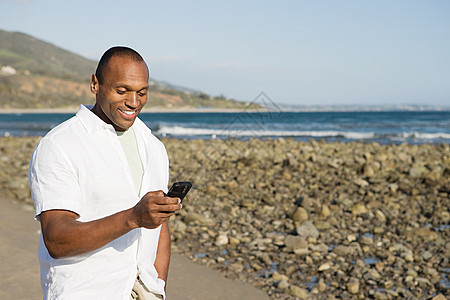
154, 209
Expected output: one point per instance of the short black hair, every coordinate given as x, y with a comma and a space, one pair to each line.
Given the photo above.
120, 51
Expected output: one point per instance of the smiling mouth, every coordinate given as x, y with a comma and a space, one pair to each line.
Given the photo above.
128, 113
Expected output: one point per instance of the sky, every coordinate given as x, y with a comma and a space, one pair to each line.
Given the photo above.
296, 52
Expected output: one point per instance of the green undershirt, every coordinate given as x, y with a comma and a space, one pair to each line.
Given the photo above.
129, 144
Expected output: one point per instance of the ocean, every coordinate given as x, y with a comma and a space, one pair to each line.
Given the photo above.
384, 127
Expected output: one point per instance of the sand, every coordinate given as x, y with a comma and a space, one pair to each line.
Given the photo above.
19, 277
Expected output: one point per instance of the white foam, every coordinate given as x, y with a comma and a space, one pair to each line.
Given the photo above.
236, 132
187, 131
431, 136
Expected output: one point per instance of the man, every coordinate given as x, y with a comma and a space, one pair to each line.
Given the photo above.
98, 182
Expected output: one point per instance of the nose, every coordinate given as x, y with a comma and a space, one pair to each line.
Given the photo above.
132, 100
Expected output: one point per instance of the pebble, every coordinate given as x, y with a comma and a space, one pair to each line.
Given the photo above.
380, 216
359, 209
307, 229
282, 285
351, 237
365, 240
324, 267
388, 284
278, 277
353, 286
293, 243
380, 295
300, 215
321, 286
196, 218
236, 268
221, 239
344, 250
298, 292
325, 211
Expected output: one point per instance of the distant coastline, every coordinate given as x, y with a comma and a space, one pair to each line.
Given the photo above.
363, 108
283, 108
69, 110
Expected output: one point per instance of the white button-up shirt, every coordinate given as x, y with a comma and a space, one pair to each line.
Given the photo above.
81, 167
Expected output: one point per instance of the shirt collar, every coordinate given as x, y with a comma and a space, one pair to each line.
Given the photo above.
91, 122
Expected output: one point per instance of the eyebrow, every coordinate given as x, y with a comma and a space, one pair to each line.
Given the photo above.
130, 88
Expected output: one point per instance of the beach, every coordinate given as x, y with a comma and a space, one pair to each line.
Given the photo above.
302, 220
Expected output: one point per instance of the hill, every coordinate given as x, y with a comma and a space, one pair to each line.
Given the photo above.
37, 74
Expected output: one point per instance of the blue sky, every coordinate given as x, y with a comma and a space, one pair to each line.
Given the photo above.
297, 52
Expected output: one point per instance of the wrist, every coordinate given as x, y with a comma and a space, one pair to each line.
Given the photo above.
131, 220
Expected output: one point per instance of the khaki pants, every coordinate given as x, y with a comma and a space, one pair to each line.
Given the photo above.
140, 292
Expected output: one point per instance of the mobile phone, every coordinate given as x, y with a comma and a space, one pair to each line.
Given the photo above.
179, 189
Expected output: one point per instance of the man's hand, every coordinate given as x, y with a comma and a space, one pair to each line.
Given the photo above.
65, 236
154, 209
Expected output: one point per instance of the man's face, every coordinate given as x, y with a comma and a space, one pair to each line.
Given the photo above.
123, 93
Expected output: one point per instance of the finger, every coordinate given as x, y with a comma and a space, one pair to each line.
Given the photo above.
169, 208
168, 201
156, 193
157, 202
159, 193
175, 198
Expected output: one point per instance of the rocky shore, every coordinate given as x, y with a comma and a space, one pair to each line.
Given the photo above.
305, 220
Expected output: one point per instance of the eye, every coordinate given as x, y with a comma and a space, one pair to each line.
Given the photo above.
121, 91
142, 93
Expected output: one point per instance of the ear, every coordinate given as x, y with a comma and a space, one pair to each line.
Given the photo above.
94, 84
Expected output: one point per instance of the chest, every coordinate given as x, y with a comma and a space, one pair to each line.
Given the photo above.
105, 178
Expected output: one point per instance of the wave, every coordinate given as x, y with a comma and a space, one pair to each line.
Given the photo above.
431, 136
189, 131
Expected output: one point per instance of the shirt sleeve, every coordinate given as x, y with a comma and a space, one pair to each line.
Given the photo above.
53, 180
